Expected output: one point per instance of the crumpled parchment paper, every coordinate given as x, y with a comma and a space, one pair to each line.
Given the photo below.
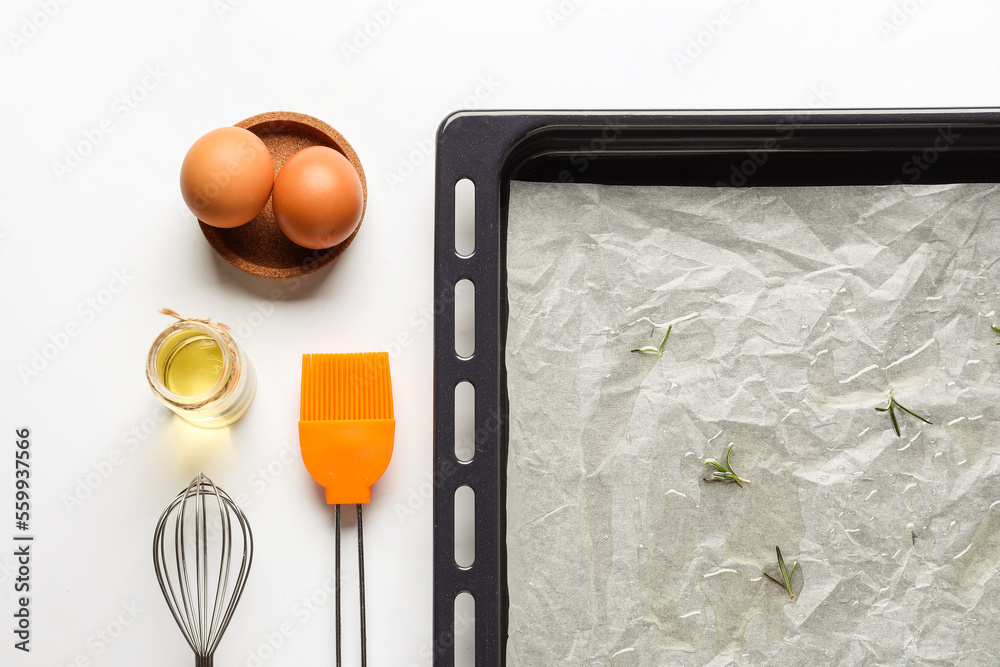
795, 311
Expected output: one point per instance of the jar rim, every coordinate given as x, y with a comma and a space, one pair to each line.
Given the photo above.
211, 394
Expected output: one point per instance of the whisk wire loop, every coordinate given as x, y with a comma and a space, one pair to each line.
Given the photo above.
204, 591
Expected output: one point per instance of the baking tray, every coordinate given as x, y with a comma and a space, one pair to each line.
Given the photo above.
696, 148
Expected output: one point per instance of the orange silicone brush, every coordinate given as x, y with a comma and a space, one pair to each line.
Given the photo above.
346, 432
346, 425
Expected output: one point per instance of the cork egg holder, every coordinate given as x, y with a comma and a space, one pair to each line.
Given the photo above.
259, 247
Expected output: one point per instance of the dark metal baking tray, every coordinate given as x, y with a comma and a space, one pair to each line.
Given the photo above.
698, 148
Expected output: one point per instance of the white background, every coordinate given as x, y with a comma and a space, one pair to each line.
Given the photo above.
64, 234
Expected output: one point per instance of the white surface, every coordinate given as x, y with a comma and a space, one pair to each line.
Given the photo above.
61, 242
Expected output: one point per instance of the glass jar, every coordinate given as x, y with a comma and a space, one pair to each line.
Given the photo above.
196, 369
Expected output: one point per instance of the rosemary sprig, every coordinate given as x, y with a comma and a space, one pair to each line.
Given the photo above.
658, 351
725, 473
891, 409
997, 329
786, 576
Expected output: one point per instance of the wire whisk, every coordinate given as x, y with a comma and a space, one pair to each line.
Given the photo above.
197, 542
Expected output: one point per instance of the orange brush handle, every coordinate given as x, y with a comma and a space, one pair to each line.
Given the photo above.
347, 456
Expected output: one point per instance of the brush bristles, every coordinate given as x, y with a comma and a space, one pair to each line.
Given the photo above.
346, 386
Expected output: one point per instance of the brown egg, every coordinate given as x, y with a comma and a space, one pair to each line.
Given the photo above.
227, 177
317, 199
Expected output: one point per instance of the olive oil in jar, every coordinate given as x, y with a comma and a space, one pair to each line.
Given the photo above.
192, 363
196, 369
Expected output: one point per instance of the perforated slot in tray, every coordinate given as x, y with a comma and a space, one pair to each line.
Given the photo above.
775, 148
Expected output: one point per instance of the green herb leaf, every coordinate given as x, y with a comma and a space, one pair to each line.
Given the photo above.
772, 578
911, 412
716, 464
891, 409
786, 576
725, 472
664, 341
658, 351
892, 414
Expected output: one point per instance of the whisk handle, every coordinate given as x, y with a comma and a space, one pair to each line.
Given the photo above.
204, 661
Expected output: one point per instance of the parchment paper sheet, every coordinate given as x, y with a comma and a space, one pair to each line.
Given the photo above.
794, 311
